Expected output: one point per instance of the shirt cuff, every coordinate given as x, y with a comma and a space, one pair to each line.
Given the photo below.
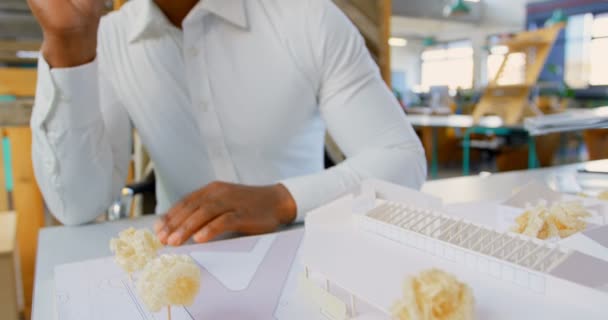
313, 191
45, 94
67, 97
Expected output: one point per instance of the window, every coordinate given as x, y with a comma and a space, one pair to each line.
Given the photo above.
495, 58
598, 74
586, 51
449, 65
514, 71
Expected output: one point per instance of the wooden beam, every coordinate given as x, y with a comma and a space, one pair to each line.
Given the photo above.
119, 3
19, 82
29, 207
8, 250
367, 27
16, 113
386, 10
372, 18
9, 50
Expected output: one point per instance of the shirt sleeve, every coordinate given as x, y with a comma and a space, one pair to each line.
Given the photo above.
80, 141
361, 115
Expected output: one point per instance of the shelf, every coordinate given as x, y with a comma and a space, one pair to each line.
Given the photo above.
510, 86
516, 45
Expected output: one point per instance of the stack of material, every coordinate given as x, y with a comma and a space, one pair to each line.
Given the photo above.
17, 22
571, 120
19, 52
9, 301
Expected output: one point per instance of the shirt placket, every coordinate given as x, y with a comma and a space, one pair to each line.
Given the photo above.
202, 103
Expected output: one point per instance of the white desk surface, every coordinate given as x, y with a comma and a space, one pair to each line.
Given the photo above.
455, 121
60, 245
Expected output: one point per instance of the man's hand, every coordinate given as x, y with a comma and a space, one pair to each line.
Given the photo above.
70, 30
224, 207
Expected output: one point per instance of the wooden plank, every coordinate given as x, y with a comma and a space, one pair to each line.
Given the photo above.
372, 18
9, 51
8, 232
119, 3
15, 46
597, 143
16, 113
367, 27
370, 8
386, 9
20, 82
29, 207
8, 289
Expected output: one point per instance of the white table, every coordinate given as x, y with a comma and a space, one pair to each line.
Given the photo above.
60, 245
493, 124
453, 121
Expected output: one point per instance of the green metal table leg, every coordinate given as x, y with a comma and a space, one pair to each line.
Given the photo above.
532, 158
466, 146
434, 155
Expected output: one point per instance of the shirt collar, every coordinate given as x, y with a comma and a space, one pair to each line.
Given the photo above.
152, 22
233, 11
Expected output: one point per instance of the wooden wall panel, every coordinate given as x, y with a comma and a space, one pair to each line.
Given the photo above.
118, 4
9, 49
19, 82
29, 206
372, 17
8, 250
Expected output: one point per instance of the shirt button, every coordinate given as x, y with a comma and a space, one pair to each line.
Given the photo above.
193, 52
204, 106
48, 164
56, 181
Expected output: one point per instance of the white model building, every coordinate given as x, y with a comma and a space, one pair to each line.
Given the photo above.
359, 249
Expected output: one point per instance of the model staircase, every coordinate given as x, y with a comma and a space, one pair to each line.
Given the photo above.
507, 95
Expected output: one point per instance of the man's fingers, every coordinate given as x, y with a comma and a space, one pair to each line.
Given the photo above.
189, 203
159, 224
169, 224
227, 222
193, 223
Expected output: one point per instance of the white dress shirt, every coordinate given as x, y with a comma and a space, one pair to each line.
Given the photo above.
242, 93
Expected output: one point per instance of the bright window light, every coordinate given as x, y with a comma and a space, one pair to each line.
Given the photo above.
450, 65
397, 42
499, 49
28, 54
598, 75
585, 51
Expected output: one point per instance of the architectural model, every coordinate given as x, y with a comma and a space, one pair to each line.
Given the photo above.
562, 219
359, 249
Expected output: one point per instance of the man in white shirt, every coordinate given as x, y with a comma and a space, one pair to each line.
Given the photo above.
237, 91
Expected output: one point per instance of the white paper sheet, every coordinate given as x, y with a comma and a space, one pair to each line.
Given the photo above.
235, 270
99, 290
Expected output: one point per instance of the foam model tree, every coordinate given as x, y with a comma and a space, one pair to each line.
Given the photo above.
169, 280
165, 281
133, 249
435, 295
